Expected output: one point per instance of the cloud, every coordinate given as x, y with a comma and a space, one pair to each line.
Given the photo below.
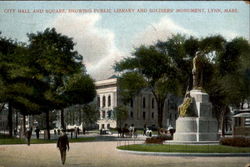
229, 35
95, 44
160, 30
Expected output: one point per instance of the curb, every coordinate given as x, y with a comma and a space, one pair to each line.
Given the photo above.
186, 154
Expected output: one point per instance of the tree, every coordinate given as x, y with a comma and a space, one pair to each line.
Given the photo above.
78, 89
232, 77
166, 67
153, 69
86, 114
15, 78
60, 67
121, 114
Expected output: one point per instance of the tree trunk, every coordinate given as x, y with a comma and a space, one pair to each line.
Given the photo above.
222, 121
16, 120
242, 104
47, 125
62, 119
2, 107
24, 126
10, 122
160, 114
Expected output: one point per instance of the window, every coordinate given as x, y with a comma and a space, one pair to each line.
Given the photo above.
103, 101
131, 103
98, 101
153, 103
109, 114
131, 114
108, 126
247, 122
102, 126
103, 114
153, 115
109, 100
144, 115
143, 102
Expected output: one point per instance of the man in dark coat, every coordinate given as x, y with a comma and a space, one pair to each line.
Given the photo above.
37, 130
63, 145
28, 135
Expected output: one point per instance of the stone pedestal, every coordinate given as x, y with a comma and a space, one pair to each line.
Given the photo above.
203, 127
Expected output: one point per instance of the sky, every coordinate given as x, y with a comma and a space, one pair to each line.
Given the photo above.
104, 36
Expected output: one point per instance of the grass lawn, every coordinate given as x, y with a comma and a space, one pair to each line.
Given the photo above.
8, 140
185, 148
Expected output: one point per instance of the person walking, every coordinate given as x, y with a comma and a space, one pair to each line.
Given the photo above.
76, 132
28, 135
37, 130
63, 145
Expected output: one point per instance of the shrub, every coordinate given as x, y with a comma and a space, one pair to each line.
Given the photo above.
235, 141
158, 139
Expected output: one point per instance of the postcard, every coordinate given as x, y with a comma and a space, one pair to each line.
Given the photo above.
106, 32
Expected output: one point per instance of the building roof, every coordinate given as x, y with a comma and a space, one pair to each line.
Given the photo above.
107, 82
244, 115
113, 76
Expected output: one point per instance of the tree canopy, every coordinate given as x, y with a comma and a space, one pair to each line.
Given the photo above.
43, 75
166, 67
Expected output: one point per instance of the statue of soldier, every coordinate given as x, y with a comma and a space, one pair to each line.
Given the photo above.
197, 70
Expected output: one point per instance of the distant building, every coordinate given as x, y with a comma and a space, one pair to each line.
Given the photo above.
3, 119
142, 109
106, 101
241, 122
17, 120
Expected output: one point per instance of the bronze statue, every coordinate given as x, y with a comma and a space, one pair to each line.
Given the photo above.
186, 109
197, 70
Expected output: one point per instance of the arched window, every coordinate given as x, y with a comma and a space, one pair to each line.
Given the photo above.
103, 101
109, 100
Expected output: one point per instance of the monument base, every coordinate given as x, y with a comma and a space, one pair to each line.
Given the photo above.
196, 129
203, 127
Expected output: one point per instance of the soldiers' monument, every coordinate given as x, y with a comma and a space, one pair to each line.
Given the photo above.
195, 122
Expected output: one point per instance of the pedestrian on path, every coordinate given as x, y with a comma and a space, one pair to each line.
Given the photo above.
28, 135
63, 145
76, 132
37, 130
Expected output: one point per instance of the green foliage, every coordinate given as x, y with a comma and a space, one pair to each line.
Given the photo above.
128, 90
44, 75
79, 89
121, 114
60, 67
236, 141
166, 67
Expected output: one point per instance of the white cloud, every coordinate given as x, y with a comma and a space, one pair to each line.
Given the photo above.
95, 44
229, 35
160, 30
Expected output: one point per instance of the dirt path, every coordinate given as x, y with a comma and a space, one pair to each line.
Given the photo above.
102, 154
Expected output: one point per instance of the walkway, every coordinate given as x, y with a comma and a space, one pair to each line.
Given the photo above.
102, 154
